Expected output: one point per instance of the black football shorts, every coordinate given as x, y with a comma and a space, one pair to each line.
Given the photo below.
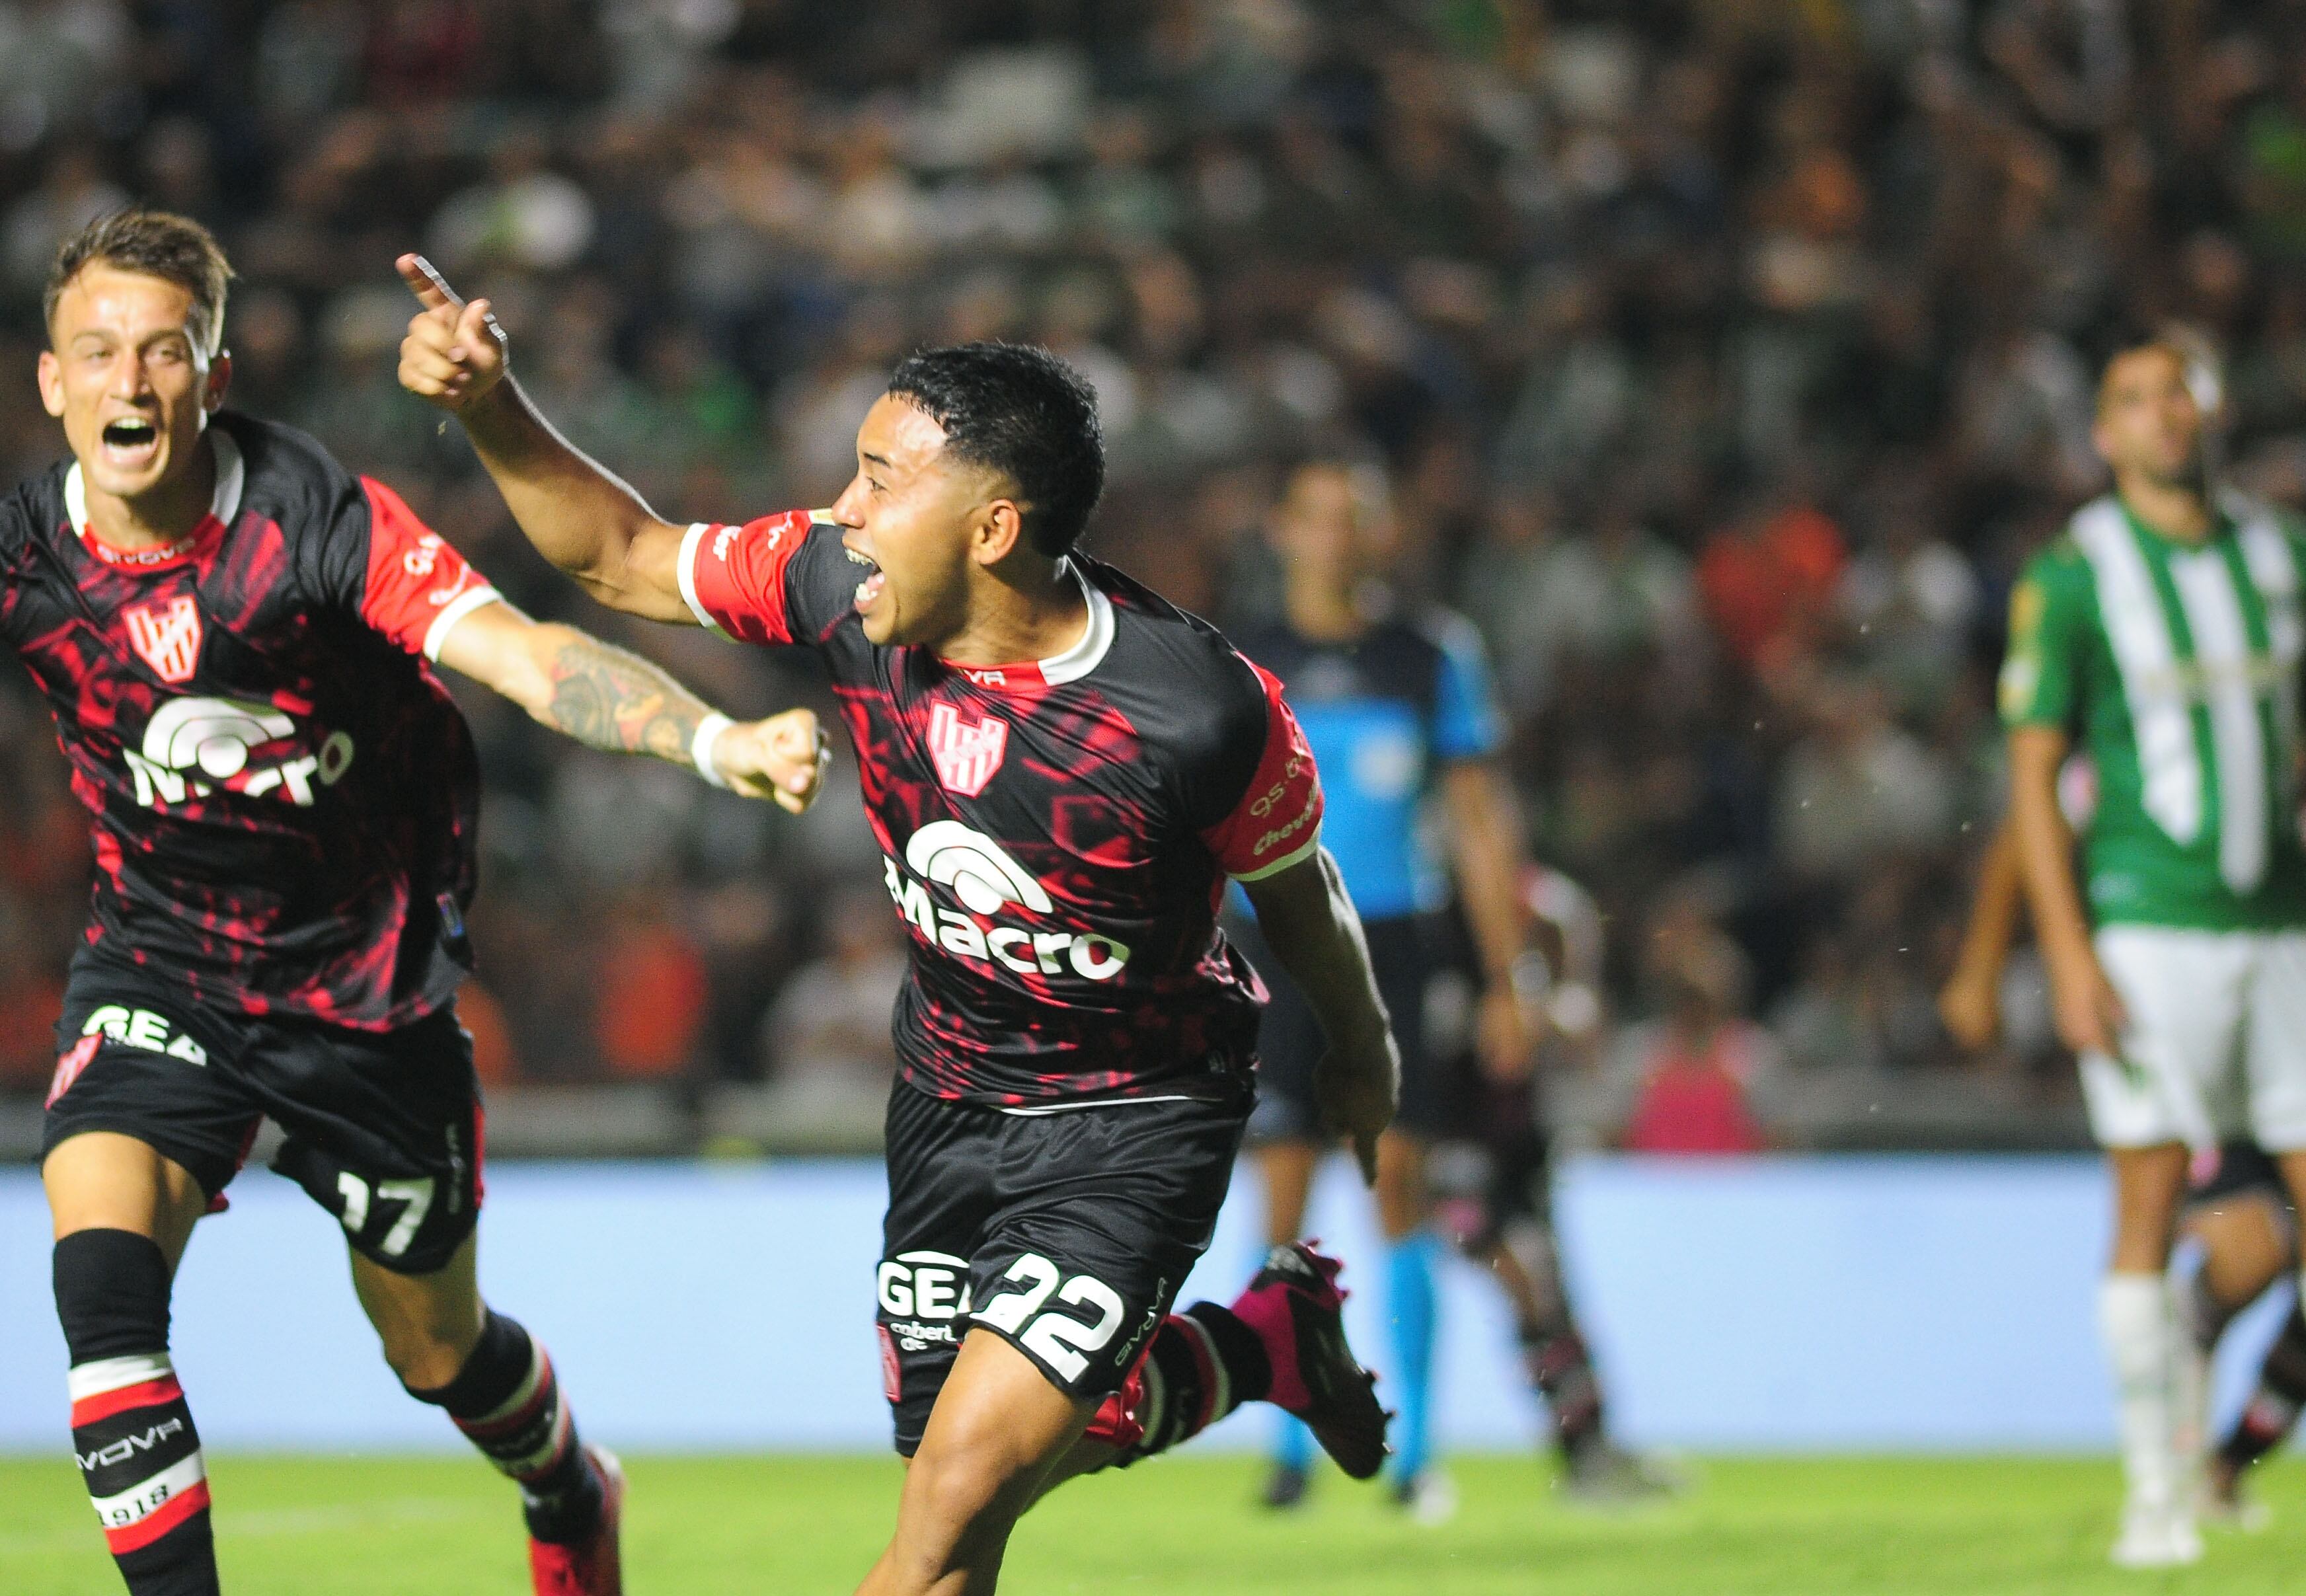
2237, 1169
1065, 1233
383, 1128
1290, 1041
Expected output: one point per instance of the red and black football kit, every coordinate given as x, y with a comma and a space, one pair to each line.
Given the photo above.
283, 799
1077, 1039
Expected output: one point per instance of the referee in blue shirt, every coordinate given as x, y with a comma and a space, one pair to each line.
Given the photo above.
1399, 709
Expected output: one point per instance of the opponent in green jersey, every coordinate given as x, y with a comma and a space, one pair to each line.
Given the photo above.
2174, 662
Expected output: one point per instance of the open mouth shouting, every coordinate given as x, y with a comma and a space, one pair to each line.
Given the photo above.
870, 588
129, 442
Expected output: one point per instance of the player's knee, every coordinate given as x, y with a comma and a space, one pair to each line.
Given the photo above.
425, 1357
112, 1294
973, 1480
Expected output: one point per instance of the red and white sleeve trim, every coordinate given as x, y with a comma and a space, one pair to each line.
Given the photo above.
1278, 822
418, 586
687, 568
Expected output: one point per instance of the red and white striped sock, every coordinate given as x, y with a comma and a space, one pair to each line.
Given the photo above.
141, 1460
507, 1400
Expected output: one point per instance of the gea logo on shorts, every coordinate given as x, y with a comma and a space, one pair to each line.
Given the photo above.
929, 1286
194, 746
986, 879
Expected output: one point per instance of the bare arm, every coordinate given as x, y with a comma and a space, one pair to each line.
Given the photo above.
618, 702
1307, 918
580, 516
2089, 1012
1486, 841
1970, 1004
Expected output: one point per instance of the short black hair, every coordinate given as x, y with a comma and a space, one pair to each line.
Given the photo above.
155, 244
1024, 413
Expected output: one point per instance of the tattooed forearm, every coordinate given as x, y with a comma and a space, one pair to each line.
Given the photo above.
606, 699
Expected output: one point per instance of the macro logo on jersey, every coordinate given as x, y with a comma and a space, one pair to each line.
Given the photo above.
194, 746
977, 870
967, 752
166, 637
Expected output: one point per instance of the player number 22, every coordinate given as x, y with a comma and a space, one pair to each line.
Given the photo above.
1054, 1338
417, 1196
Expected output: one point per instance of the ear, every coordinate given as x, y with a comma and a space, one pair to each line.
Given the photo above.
999, 534
220, 379
52, 384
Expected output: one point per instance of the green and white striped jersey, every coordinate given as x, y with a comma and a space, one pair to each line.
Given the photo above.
2175, 666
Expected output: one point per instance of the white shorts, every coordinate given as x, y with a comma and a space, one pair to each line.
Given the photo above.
2217, 1044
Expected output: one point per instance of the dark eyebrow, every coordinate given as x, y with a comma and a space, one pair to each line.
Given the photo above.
876, 459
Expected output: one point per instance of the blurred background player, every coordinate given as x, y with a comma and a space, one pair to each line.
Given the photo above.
236, 638
2238, 1211
1398, 711
2161, 634
1489, 1171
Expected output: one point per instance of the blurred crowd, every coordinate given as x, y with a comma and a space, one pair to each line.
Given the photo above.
1727, 356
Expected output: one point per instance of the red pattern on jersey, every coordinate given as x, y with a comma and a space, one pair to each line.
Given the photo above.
1061, 901
413, 572
280, 830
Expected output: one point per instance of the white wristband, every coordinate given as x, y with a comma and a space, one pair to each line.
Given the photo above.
700, 746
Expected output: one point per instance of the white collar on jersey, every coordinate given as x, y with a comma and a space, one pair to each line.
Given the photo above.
231, 476
1096, 642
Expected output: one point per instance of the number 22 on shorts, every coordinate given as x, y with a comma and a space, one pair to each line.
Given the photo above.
1057, 1339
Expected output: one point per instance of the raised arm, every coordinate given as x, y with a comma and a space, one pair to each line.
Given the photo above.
1305, 914
581, 515
608, 699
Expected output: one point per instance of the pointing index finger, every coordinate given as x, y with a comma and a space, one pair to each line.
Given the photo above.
431, 288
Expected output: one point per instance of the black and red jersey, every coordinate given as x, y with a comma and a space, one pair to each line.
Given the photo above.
1056, 833
283, 793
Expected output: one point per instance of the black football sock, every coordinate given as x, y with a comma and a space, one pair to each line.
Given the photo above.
1562, 1370
2272, 1408
1200, 1366
507, 1400
132, 1432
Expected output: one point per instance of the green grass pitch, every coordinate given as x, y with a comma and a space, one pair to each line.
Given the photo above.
701, 1526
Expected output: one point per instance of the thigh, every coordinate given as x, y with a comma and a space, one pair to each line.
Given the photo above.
940, 1158
2276, 1053
2186, 992
384, 1130
138, 1058
1100, 1215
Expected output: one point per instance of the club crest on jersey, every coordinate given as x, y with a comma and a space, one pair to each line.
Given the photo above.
967, 752
167, 636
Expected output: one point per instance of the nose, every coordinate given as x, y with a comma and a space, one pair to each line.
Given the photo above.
129, 380
848, 509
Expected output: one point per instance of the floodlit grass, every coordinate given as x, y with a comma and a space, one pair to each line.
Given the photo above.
314, 1526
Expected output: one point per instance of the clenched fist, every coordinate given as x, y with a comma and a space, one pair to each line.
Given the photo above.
783, 757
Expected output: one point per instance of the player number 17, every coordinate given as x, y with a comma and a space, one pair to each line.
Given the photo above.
417, 1196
